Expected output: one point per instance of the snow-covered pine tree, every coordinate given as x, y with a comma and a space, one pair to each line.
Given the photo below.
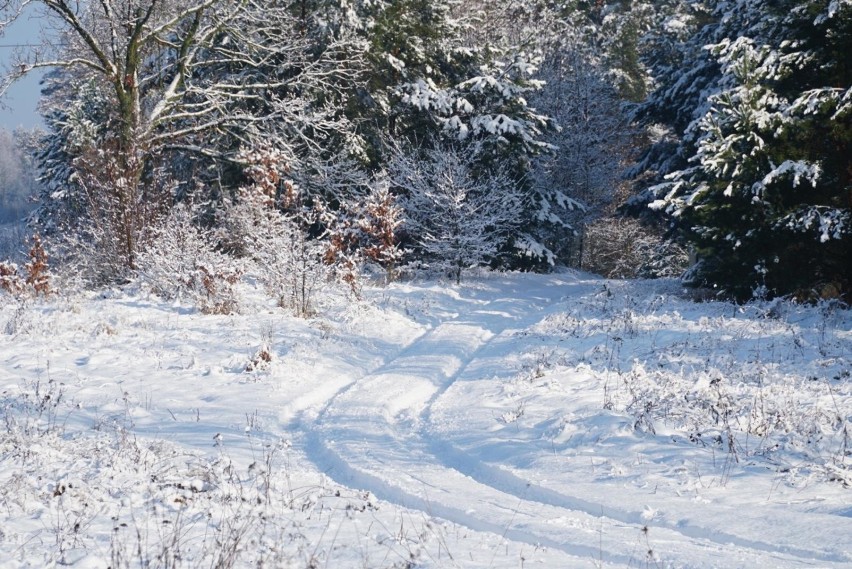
427, 82
767, 199
684, 74
590, 65
75, 113
618, 32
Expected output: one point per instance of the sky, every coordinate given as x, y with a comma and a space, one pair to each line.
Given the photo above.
18, 107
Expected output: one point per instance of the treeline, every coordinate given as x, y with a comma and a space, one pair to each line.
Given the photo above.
18, 188
18, 185
436, 135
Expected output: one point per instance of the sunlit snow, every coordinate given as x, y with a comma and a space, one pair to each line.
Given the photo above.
513, 421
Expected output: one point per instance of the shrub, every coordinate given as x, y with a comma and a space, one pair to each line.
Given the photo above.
10, 279
287, 262
363, 232
623, 248
37, 268
35, 278
180, 262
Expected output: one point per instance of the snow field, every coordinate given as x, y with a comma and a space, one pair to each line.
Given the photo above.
513, 421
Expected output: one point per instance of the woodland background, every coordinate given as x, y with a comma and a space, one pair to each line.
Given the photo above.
321, 139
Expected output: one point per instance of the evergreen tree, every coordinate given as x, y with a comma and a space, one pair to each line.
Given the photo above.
767, 196
430, 83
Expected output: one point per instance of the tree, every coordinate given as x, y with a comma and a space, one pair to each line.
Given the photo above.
767, 197
288, 264
591, 64
379, 221
458, 215
685, 74
198, 78
580, 180
117, 44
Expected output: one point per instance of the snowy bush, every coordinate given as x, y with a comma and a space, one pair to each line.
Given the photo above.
748, 411
294, 269
623, 248
747, 383
343, 238
32, 410
460, 216
180, 263
363, 231
10, 279
34, 279
287, 262
37, 275
380, 220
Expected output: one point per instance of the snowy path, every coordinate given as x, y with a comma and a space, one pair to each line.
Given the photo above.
488, 425
380, 434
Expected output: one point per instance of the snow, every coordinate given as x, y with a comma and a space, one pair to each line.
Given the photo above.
516, 420
797, 169
834, 7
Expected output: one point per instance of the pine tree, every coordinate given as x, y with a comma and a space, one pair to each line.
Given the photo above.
767, 201
432, 81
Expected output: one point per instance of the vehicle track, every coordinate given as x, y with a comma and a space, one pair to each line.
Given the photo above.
374, 435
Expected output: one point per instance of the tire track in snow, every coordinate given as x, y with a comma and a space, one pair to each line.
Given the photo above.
303, 411
368, 451
356, 440
510, 483
414, 348
319, 446
343, 472
301, 420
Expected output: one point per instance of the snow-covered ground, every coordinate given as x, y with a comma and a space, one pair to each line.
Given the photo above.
513, 421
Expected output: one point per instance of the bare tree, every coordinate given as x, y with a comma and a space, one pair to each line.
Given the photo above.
461, 216
193, 76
